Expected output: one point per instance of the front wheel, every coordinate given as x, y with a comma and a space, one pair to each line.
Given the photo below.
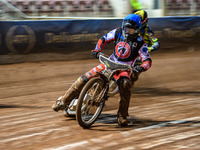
89, 104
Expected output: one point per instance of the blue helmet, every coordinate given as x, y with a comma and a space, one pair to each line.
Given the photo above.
132, 21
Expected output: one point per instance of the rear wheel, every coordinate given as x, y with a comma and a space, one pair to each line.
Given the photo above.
88, 109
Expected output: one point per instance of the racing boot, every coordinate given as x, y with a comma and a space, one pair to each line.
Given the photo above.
71, 93
122, 121
125, 86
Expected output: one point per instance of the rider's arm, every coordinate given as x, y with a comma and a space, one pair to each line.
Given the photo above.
145, 57
154, 43
109, 37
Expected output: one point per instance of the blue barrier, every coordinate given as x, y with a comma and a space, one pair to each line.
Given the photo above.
66, 36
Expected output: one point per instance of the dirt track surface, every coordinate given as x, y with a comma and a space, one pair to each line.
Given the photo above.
164, 110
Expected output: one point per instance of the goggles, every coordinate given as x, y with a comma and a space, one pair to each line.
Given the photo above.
129, 30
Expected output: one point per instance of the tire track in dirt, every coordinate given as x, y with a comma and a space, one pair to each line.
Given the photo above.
37, 117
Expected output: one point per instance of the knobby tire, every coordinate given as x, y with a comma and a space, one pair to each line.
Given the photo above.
80, 105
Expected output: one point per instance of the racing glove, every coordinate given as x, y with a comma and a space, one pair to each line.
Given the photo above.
138, 69
136, 72
95, 53
150, 49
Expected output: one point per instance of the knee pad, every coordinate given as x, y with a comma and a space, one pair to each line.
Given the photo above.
84, 78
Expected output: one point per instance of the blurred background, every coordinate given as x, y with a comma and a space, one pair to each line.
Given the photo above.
69, 26
43, 9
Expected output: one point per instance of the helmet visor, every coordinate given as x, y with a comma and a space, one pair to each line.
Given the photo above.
129, 30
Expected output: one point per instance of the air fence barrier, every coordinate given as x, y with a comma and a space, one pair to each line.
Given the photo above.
68, 36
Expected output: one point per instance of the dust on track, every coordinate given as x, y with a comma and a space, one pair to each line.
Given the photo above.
164, 109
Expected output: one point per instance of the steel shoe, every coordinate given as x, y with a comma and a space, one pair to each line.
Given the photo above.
59, 105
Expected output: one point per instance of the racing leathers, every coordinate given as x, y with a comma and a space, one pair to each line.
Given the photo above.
150, 38
125, 52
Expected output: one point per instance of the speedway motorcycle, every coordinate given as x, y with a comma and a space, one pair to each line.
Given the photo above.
70, 111
94, 94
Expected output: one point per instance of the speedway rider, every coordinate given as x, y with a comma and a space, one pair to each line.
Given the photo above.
128, 46
148, 35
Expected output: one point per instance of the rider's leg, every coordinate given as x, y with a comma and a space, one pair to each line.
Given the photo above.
125, 85
71, 93
134, 77
76, 88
